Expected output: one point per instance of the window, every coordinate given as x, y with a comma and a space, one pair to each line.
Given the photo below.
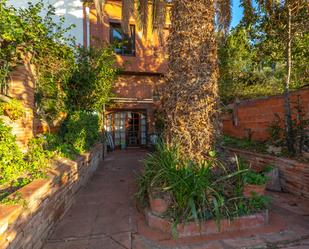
125, 44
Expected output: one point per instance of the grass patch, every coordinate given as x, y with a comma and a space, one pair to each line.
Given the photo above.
245, 144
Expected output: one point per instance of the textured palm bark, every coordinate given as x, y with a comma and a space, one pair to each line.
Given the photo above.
190, 94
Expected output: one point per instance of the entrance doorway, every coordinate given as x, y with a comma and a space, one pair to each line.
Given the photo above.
127, 128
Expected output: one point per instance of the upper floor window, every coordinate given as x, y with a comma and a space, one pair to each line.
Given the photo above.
124, 43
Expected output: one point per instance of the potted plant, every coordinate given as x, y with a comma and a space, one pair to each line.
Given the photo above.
254, 183
159, 201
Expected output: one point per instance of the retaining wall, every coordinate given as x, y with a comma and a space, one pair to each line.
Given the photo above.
294, 175
43, 202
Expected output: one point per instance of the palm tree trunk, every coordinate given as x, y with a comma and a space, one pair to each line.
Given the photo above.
190, 94
288, 116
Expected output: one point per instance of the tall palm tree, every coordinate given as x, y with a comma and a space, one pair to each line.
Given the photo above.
190, 94
190, 99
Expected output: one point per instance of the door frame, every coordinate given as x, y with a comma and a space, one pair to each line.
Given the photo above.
138, 111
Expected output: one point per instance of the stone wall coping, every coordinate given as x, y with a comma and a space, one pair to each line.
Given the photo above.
39, 189
269, 157
292, 176
246, 102
207, 227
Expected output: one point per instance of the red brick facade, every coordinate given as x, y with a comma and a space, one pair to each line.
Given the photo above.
136, 87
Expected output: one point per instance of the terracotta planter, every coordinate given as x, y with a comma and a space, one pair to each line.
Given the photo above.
250, 188
158, 205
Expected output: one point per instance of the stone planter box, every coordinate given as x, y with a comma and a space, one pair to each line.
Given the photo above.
209, 227
44, 202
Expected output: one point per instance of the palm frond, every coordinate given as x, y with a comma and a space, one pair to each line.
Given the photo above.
127, 12
99, 5
248, 10
224, 14
269, 5
159, 11
142, 15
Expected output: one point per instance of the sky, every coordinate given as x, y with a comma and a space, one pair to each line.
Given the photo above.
236, 16
237, 13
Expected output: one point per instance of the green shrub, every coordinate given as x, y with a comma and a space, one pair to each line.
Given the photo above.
17, 168
256, 203
98, 68
246, 144
79, 132
259, 202
37, 156
56, 144
12, 165
62, 69
32, 33
14, 109
255, 178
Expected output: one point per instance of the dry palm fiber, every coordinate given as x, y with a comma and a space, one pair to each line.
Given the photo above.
190, 93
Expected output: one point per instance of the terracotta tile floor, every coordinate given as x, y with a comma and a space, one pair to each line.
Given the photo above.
104, 216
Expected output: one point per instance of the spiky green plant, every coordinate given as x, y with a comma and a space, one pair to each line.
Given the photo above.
197, 191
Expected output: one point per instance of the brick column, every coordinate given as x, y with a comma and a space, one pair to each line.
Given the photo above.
21, 87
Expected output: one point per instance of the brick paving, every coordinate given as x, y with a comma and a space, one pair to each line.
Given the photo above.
105, 216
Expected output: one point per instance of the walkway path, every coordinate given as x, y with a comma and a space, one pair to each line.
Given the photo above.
104, 216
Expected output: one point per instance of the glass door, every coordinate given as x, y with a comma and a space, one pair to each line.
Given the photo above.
120, 129
143, 129
133, 129
127, 128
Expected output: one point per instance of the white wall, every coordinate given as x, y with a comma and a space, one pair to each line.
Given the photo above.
72, 10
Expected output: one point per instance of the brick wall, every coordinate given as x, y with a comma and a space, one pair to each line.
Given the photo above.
44, 202
21, 87
254, 116
294, 175
135, 86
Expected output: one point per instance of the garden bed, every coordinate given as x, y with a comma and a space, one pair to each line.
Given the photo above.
262, 147
208, 227
28, 220
293, 175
